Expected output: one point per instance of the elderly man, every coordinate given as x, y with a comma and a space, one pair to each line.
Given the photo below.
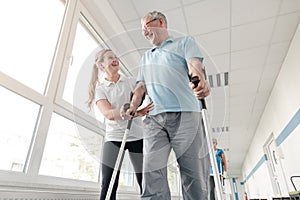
175, 122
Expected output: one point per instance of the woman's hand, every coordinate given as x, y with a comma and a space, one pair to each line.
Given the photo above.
123, 111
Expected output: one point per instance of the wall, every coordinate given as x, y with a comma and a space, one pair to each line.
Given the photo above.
282, 106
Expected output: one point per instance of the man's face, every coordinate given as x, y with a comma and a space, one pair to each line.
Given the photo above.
215, 144
151, 29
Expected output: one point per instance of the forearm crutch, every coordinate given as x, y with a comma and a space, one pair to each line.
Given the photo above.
207, 128
120, 154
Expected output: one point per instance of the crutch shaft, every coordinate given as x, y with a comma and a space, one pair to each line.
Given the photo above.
118, 161
195, 80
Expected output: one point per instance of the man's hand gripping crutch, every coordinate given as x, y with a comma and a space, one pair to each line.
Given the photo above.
137, 99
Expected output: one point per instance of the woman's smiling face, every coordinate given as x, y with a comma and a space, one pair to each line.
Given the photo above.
110, 63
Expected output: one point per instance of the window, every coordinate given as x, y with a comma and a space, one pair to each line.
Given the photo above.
28, 39
16, 129
80, 70
173, 174
71, 151
127, 172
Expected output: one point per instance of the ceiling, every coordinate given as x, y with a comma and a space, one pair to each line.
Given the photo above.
246, 40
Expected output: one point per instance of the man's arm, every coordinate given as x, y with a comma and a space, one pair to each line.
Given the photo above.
195, 69
224, 162
224, 165
137, 98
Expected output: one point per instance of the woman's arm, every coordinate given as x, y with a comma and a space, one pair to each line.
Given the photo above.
105, 108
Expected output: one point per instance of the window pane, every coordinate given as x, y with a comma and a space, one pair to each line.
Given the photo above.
79, 72
71, 151
127, 172
173, 179
173, 174
18, 117
28, 37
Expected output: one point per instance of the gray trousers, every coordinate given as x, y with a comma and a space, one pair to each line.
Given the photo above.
183, 132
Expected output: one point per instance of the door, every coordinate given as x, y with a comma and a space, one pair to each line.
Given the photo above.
274, 166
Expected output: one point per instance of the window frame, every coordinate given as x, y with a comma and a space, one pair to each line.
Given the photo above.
51, 102
48, 104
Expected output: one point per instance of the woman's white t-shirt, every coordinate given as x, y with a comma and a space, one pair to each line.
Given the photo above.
117, 94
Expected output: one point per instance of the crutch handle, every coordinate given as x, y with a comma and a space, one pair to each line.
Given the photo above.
126, 106
129, 124
195, 80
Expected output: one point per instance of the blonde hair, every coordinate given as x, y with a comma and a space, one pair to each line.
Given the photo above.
94, 78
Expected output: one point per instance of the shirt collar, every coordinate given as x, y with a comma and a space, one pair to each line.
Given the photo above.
170, 39
107, 83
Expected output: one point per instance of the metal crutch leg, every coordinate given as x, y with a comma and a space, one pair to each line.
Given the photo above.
118, 161
195, 80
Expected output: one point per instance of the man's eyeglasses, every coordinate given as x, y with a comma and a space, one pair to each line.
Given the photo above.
151, 21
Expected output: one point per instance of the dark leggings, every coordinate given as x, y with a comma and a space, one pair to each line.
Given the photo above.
212, 188
110, 154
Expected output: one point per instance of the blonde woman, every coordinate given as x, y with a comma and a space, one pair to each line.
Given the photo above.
110, 93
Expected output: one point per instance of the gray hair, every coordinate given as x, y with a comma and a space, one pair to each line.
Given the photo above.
157, 15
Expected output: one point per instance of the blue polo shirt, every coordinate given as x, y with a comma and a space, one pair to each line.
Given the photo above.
165, 72
220, 165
